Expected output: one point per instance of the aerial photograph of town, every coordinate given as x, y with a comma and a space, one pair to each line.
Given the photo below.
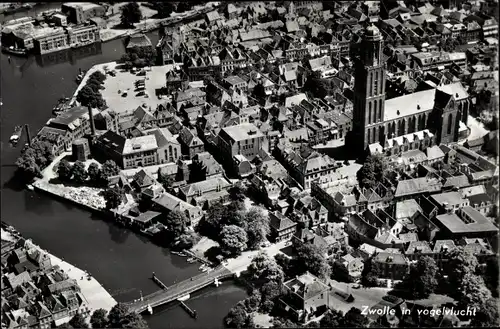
250, 164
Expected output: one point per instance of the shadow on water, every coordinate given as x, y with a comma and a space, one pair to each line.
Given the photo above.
69, 55
16, 182
118, 234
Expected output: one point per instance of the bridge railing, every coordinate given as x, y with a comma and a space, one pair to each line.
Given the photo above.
209, 275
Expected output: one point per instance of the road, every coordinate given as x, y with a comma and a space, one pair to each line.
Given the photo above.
362, 296
241, 263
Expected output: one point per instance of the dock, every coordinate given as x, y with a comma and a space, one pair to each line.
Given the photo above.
191, 312
158, 281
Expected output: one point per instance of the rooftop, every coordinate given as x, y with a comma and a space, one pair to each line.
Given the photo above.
469, 221
140, 144
243, 132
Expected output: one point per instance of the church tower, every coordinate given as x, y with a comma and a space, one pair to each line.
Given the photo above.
369, 93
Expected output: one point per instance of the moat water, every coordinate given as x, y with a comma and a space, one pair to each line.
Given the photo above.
119, 259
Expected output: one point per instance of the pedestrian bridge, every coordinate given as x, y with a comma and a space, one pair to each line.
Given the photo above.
180, 289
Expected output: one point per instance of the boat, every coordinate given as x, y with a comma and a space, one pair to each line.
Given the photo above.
150, 309
202, 267
61, 106
178, 253
205, 270
79, 77
15, 51
27, 6
30, 187
14, 139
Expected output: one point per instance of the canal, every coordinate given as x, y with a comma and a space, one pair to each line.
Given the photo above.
121, 260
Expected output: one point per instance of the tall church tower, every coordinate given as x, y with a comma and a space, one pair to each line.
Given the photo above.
369, 93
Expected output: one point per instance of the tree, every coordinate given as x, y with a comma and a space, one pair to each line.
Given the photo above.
311, 258
97, 76
237, 317
99, 318
130, 14
472, 292
487, 315
271, 290
257, 227
134, 320
197, 171
88, 97
95, 86
113, 197
318, 87
121, 317
372, 171
176, 223
94, 173
264, 269
331, 319
369, 275
187, 240
236, 193
165, 180
354, 319
79, 172
461, 263
491, 275
287, 264
64, 170
109, 169
233, 240
35, 158
252, 303
422, 280
164, 9
78, 321
219, 215
339, 272
183, 6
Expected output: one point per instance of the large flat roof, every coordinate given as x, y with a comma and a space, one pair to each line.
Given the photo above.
476, 222
140, 144
241, 132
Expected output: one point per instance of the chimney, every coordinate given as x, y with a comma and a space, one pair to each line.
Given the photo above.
91, 118
28, 136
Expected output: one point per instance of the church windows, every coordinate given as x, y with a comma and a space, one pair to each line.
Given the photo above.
376, 83
371, 84
375, 112
450, 119
374, 131
380, 110
369, 112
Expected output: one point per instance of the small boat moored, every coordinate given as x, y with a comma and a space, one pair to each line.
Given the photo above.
150, 309
14, 139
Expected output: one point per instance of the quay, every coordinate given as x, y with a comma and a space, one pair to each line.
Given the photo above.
180, 289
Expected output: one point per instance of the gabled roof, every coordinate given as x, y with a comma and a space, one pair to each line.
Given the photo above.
280, 222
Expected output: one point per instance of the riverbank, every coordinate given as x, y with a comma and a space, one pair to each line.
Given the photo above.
150, 24
97, 297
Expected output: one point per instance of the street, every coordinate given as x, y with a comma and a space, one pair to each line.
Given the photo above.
362, 296
240, 263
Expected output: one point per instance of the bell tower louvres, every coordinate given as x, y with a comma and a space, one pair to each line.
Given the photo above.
369, 92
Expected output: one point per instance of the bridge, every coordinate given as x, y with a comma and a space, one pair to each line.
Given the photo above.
180, 289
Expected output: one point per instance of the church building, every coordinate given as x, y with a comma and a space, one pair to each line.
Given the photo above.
437, 114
